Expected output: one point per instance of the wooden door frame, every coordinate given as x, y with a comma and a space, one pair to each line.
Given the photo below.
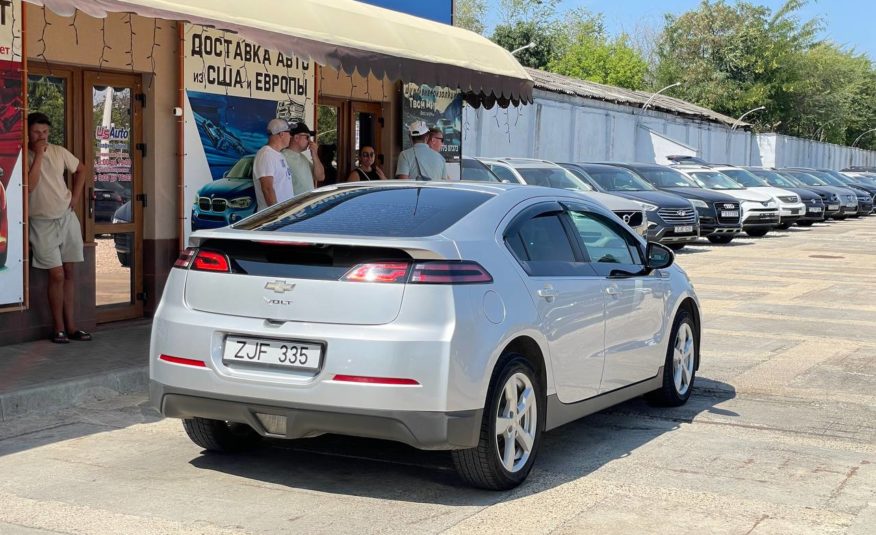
343, 131
133, 309
376, 109
72, 116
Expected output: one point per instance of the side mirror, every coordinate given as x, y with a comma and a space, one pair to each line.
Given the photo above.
658, 256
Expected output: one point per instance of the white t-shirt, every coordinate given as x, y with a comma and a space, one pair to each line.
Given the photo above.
50, 199
269, 162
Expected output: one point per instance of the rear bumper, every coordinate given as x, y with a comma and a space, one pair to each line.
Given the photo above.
421, 429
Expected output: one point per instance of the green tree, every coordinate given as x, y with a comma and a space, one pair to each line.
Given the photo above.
732, 58
595, 58
470, 14
518, 34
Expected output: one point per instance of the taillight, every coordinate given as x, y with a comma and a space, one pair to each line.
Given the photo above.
185, 258
378, 272
449, 272
210, 261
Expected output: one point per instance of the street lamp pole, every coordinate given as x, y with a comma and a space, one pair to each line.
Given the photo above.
735, 124
648, 102
524, 47
821, 129
855, 142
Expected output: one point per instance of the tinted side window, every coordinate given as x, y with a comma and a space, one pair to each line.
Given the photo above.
545, 240
543, 248
608, 246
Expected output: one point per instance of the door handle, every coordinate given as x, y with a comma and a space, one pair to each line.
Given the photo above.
548, 293
611, 290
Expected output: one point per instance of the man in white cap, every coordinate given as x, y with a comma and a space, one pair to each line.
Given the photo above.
273, 179
420, 162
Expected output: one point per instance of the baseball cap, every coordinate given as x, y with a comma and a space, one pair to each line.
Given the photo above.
418, 128
276, 126
300, 128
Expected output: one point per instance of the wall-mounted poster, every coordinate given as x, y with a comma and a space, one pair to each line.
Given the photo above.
11, 202
233, 88
439, 107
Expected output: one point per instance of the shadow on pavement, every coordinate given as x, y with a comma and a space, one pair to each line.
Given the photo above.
388, 470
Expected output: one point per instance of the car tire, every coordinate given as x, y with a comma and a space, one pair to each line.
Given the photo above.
805, 223
679, 370
221, 436
676, 246
720, 238
757, 232
838, 217
484, 466
784, 226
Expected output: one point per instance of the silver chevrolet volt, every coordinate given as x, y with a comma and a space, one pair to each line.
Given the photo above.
459, 316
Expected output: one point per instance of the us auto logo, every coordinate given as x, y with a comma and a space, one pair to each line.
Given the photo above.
682, 212
279, 287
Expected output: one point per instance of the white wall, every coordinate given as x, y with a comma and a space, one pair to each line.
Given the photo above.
574, 129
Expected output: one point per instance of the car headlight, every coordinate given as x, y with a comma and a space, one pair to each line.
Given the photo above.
240, 202
648, 207
698, 203
195, 202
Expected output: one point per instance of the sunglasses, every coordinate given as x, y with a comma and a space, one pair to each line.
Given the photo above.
438, 138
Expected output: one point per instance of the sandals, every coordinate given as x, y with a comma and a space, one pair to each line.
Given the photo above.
62, 337
81, 336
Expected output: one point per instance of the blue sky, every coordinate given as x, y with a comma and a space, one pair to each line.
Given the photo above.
851, 23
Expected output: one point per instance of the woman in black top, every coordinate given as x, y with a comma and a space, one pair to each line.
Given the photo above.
367, 168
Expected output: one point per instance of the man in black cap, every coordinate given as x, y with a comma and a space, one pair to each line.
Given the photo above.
307, 169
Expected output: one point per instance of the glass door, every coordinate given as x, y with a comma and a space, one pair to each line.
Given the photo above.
367, 130
114, 192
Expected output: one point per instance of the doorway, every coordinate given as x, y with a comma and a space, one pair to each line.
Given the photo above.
96, 115
343, 126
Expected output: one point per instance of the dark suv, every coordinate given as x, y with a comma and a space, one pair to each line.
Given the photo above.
671, 219
719, 213
858, 186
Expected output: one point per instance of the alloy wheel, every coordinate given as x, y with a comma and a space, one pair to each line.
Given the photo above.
516, 422
683, 358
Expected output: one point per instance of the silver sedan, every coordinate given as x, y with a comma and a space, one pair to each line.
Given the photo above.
466, 317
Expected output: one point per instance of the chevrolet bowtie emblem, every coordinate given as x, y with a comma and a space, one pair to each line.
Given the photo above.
279, 287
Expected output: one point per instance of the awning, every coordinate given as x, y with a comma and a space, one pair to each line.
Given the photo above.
347, 35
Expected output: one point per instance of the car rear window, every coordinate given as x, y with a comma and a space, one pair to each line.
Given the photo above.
403, 212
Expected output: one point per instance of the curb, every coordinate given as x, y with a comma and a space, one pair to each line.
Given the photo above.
50, 397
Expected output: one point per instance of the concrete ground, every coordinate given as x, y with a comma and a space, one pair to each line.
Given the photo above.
778, 437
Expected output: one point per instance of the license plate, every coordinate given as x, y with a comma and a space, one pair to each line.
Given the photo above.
729, 213
276, 353
833, 207
686, 228
795, 211
815, 209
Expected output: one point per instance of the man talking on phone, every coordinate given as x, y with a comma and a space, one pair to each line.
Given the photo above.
307, 169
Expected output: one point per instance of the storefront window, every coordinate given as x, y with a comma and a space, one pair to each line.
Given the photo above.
48, 94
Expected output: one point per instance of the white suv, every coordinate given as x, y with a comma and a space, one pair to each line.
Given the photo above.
760, 212
791, 207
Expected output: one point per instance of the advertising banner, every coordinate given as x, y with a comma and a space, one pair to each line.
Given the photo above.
11, 201
439, 107
233, 88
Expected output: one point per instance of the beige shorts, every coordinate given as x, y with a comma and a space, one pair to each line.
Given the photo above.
54, 242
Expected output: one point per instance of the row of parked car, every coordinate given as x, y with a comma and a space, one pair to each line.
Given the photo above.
679, 203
